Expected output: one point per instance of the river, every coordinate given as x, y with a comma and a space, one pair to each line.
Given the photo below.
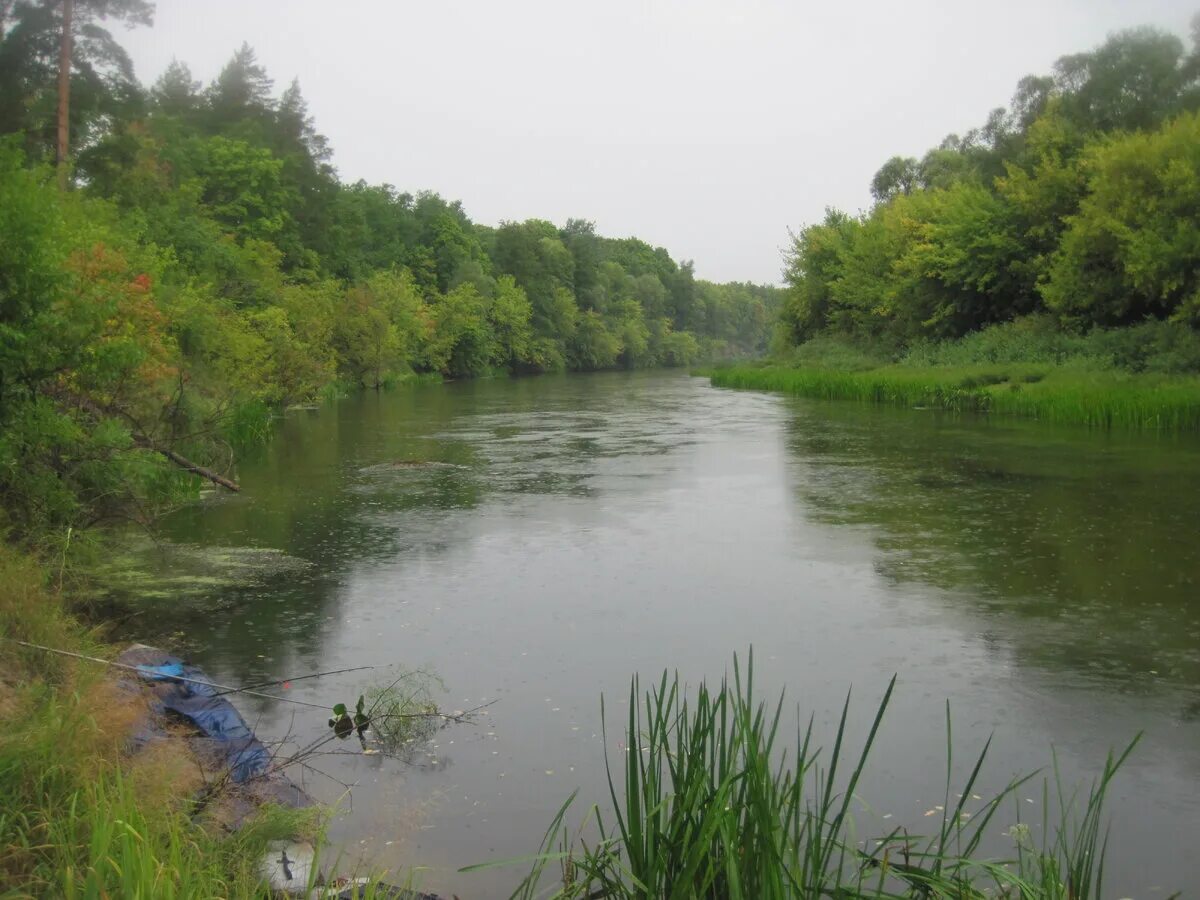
1046, 582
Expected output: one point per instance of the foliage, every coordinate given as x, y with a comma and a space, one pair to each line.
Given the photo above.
1082, 202
87, 371
209, 267
102, 82
510, 317
1155, 346
403, 712
1132, 251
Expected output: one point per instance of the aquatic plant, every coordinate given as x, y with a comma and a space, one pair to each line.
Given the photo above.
1056, 395
404, 712
707, 802
394, 715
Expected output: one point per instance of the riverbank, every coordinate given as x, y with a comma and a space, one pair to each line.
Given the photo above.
105, 795
83, 815
1059, 395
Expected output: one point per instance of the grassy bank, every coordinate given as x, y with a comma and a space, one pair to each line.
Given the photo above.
81, 815
1063, 395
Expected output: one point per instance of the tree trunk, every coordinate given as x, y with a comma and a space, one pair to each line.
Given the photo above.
64, 92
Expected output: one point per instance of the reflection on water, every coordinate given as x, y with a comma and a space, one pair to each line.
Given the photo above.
537, 541
1080, 548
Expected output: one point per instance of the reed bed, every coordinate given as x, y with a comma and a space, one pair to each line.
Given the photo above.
708, 803
1051, 394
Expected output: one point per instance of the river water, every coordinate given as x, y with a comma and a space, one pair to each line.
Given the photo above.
1046, 582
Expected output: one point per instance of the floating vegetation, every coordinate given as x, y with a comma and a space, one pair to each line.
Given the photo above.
143, 569
396, 719
411, 464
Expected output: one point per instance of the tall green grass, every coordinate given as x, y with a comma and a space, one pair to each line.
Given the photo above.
81, 817
1060, 395
247, 424
709, 803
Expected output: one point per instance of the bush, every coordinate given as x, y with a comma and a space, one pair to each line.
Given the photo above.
835, 353
1162, 347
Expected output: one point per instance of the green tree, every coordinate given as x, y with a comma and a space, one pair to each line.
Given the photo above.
91, 398
579, 237
680, 348
632, 334
240, 98
897, 176
176, 93
243, 188
536, 257
63, 76
510, 316
814, 264
1134, 80
461, 344
593, 346
1133, 249
383, 328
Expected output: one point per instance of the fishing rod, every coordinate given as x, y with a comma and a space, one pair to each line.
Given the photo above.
288, 681
144, 670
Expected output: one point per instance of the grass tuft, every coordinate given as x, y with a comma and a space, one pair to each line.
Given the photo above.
708, 803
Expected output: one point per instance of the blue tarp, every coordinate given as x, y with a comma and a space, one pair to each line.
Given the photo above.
215, 716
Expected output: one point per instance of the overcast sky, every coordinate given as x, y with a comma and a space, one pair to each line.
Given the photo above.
709, 127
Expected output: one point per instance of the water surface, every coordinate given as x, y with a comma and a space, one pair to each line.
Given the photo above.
583, 528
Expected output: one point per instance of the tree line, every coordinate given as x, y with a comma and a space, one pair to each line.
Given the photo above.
178, 259
1078, 206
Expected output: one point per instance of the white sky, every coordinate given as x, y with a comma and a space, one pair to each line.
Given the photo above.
709, 127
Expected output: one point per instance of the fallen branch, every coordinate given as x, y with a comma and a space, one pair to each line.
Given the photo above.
142, 440
184, 463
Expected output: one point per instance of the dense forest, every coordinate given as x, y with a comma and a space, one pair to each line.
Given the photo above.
1067, 222
199, 263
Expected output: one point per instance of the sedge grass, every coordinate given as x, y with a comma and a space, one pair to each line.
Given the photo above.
708, 803
1060, 395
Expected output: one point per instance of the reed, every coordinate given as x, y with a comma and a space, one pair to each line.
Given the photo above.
1110, 399
708, 803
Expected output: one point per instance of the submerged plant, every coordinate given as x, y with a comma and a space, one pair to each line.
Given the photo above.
391, 718
404, 712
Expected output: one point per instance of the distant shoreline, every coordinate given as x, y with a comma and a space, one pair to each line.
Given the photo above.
1118, 400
